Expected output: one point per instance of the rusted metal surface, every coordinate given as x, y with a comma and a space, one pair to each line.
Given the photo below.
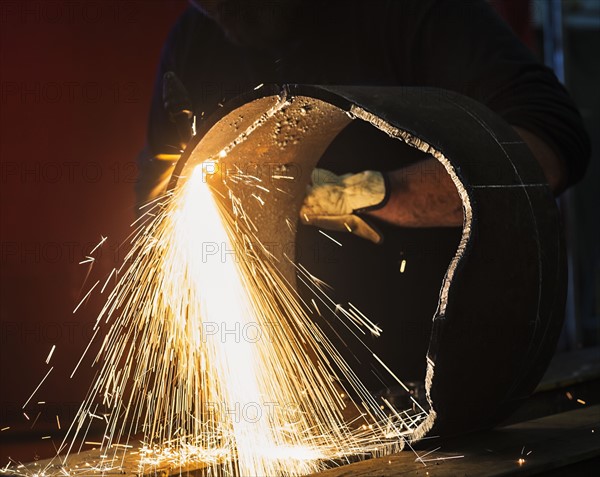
501, 304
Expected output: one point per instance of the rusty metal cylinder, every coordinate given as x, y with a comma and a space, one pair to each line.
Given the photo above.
501, 303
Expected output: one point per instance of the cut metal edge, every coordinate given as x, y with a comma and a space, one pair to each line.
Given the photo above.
421, 145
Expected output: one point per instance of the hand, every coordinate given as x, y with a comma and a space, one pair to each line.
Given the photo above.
333, 202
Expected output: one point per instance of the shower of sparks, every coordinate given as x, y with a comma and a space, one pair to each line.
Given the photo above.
50, 354
359, 315
402, 266
212, 359
38, 387
108, 280
330, 238
36, 419
102, 240
438, 459
85, 297
84, 353
420, 458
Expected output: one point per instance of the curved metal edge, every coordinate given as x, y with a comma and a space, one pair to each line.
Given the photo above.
207, 124
352, 101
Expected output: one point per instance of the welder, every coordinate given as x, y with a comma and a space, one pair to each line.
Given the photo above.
399, 225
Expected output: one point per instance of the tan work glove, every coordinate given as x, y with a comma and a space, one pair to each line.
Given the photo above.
333, 201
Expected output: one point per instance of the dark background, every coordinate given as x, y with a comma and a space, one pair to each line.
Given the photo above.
76, 78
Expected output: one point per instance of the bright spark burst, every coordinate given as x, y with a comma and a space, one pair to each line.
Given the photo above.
211, 359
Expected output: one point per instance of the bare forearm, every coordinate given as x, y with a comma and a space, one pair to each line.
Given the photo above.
422, 195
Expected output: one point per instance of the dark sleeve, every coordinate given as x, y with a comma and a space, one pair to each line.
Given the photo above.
462, 45
162, 136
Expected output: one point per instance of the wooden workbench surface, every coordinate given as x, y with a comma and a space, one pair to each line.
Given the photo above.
543, 444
